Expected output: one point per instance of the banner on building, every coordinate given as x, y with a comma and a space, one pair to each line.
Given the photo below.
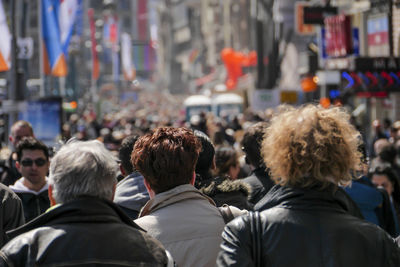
5, 43
126, 56
58, 18
95, 60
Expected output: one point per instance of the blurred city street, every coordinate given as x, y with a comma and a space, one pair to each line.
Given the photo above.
90, 68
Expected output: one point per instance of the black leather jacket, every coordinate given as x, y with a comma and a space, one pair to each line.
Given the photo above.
88, 232
308, 227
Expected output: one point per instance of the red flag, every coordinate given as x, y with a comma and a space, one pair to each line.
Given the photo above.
95, 60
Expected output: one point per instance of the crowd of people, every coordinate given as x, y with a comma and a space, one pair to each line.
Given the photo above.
289, 187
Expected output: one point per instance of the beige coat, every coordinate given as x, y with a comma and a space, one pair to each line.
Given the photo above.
187, 223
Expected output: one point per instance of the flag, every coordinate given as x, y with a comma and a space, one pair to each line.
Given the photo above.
95, 60
67, 13
126, 56
5, 41
54, 58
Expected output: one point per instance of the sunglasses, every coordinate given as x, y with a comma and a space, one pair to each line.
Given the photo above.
29, 162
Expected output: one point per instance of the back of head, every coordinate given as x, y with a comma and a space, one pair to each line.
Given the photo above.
225, 158
206, 156
388, 153
380, 144
31, 143
83, 169
251, 143
310, 146
125, 152
166, 157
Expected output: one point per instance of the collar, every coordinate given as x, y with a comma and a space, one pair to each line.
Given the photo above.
174, 195
332, 197
83, 209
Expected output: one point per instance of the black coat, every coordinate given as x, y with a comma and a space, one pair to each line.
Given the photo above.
86, 232
11, 212
309, 227
260, 183
34, 205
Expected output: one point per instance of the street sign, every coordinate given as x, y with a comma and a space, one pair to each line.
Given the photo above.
25, 48
317, 14
301, 28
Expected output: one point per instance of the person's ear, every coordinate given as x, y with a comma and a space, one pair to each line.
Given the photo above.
50, 193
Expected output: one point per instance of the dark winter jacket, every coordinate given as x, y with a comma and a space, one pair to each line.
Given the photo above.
308, 227
34, 203
11, 212
88, 232
225, 191
10, 173
260, 183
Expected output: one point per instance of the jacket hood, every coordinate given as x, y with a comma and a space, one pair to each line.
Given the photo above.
131, 192
332, 197
19, 187
225, 185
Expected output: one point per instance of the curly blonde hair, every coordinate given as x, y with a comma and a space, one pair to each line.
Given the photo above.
310, 146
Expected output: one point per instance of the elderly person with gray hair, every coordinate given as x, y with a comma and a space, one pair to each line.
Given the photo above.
83, 227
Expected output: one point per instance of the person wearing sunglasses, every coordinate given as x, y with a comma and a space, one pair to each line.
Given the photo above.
32, 188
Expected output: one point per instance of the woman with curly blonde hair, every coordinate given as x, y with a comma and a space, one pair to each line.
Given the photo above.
310, 146
307, 219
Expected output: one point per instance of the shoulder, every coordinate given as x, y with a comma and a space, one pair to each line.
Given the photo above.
7, 195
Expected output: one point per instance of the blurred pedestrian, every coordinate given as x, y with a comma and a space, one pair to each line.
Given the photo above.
224, 187
259, 180
384, 176
131, 194
307, 219
19, 130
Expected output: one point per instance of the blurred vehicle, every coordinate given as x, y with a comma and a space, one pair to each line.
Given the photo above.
227, 104
196, 104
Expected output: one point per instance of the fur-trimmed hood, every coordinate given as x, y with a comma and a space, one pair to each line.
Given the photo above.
225, 185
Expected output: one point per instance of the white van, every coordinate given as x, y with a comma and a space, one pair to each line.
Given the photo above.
227, 104
196, 104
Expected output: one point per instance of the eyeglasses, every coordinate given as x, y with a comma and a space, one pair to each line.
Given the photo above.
28, 162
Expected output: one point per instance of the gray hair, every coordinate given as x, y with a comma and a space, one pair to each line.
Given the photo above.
83, 169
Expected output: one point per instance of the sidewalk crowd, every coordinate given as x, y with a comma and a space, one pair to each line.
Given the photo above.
143, 187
